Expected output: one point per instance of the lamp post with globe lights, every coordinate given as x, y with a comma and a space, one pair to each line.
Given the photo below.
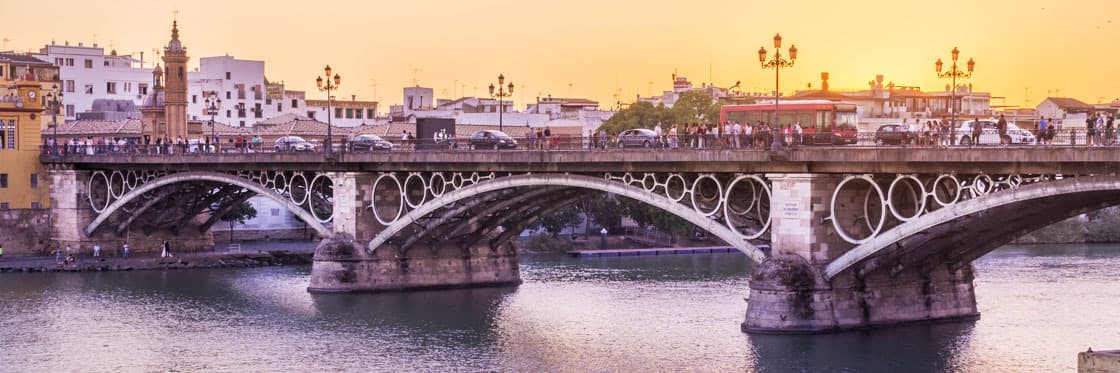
777, 63
54, 102
503, 92
331, 84
954, 73
211, 106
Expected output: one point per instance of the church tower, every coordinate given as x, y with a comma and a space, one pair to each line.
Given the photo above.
175, 85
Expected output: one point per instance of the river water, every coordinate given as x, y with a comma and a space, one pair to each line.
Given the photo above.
1040, 305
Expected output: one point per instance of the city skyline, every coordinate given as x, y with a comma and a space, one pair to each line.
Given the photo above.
587, 49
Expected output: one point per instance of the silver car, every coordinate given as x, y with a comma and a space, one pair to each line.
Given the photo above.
293, 144
638, 137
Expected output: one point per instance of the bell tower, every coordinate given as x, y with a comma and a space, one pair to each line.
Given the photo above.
175, 85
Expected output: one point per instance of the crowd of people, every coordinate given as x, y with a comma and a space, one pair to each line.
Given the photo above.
161, 145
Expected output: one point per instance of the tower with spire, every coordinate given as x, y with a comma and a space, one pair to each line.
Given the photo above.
165, 110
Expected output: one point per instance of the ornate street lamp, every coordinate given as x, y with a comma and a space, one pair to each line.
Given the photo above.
953, 73
54, 102
503, 91
331, 84
211, 106
777, 63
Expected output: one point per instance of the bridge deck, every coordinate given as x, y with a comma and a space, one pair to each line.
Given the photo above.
1023, 160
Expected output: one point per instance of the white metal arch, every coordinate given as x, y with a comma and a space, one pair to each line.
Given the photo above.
576, 181
963, 208
207, 176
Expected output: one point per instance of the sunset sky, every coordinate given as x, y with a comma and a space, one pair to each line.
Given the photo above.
1023, 49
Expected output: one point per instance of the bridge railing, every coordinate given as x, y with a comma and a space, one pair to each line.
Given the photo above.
1066, 138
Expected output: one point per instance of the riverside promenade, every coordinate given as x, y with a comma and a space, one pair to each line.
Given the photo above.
256, 254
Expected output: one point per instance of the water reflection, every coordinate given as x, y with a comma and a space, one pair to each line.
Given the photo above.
1040, 306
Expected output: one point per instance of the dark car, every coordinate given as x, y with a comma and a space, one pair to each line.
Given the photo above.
893, 134
638, 137
490, 139
369, 143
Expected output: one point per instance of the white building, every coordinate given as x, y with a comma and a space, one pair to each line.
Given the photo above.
247, 95
345, 113
88, 74
681, 85
417, 99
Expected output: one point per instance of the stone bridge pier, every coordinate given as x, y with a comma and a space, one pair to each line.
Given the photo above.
790, 292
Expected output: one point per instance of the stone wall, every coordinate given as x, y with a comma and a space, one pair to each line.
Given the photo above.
25, 231
242, 235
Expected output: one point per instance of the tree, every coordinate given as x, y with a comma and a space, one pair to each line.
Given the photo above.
638, 115
554, 223
695, 106
239, 214
605, 211
647, 215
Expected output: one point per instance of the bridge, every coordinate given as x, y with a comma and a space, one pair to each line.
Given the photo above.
860, 237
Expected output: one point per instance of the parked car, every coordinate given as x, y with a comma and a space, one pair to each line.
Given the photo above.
294, 144
638, 137
845, 134
893, 134
491, 139
369, 143
989, 134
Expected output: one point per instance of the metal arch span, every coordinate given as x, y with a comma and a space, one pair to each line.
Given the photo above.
207, 176
885, 240
574, 181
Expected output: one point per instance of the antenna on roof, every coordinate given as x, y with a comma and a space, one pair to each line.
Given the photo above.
414, 81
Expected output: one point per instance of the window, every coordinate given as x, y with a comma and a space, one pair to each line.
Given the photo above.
369, 114
358, 113
229, 95
70, 110
228, 75
89, 64
242, 124
279, 107
89, 89
338, 112
143, 88
35, 205
34, 181
70, 86
180, 73
4, 181
8, 138
349, 113
4, 206
106, 63
194, 99
257, 110
295, 104
110, 87
70, 62
60, 61
228, 115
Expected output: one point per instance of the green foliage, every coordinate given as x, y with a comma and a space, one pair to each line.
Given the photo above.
638, 115
605, 211
240, 213
554, 223
695, 107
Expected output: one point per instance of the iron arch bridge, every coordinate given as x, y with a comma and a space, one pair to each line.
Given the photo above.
174, 200
434, 207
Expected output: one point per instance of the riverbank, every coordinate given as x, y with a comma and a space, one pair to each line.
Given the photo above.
252, 255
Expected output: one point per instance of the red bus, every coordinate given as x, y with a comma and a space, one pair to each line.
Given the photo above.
822, 122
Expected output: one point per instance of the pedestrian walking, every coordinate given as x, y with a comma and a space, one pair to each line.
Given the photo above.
166, 250
124, 250
96, 250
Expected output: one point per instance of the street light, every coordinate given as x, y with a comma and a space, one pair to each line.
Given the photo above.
953, 73
211, 106
331, 84
777, 63
503, 91
54, 102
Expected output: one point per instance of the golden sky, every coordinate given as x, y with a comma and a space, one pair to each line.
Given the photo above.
1024, 49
